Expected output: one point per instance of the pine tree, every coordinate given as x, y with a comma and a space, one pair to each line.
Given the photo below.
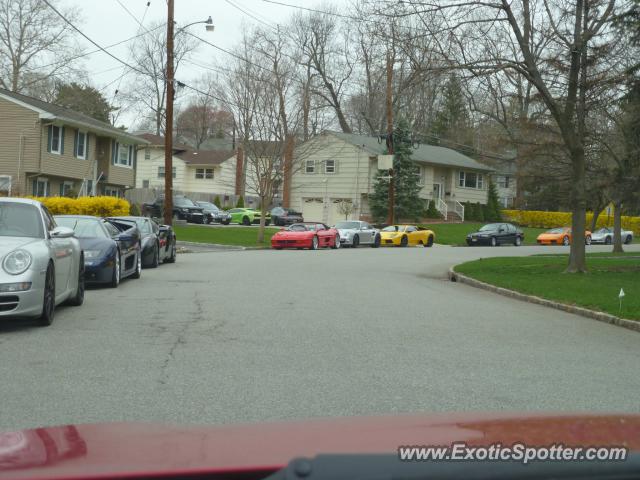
432, 211
216, 201
452, 120
408, 203
492, 209
240, 202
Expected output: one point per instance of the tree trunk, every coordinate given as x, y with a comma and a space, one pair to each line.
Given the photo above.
577, 261
594, 219
262, 220
617, 227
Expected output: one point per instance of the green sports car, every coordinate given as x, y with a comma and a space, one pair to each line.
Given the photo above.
247, 216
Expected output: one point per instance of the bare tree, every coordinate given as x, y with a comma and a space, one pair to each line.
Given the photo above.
148, 89
36, 45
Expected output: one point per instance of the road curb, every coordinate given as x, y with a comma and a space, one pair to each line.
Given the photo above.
585, 312
217, 246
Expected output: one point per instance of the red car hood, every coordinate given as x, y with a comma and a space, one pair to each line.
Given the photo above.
137, 450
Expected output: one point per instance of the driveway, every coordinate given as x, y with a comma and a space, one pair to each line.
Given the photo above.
236, 336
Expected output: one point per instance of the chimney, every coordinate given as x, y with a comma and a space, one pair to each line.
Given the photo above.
288, 164
239, 170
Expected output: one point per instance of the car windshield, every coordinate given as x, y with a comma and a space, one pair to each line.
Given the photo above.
83, 227
300, 227
556, 230
183, 202
207, 205
603, 230
20, 220
348, 225
489, 227
144, 226
393, 228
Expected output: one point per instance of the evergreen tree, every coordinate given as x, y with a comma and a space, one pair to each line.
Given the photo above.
452, 120
432, 211
492, 208
240, 202
479, 212
216, 201
408, 203
83, 99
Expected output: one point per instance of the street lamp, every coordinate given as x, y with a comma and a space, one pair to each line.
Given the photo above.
168, 131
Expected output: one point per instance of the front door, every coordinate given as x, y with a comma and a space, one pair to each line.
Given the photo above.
437, 191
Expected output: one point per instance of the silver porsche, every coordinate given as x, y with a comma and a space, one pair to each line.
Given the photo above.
605, 235
42, 264
355, 232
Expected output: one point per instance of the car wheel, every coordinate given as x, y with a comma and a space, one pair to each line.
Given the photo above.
429, 241
227, 222
518, 241
314, 243
376, 242
278, 248
494, 242
587, 240
607, 241
404, 241
628, 240
115, 276
355, 242
207, 221
138, 271
78, 297
49, 297
336, 242
245, 221
156, 257
565, 241
172, 257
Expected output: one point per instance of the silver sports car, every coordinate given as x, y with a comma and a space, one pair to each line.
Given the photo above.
605, 235
42, 264
355, 232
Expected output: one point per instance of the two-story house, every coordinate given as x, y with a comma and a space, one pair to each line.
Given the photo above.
48, 150
336, 167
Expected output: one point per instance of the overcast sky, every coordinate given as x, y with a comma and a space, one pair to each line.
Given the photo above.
107, 22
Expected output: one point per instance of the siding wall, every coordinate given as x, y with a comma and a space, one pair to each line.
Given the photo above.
148, 169
66, 164
17, 122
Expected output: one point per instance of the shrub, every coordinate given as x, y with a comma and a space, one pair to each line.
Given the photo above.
492, 209
96, 206
134, 210
432, 211
540, 219
240, 202
479, 210
216, 201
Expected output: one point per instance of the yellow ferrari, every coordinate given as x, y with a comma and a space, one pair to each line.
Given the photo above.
404, 235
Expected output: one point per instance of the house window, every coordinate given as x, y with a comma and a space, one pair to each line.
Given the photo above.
471, 180
80, 148
161, 172
65, 188
111, 192
56, 139
330, 166
5, 186
310, 166
147, 153
145, 183
204, 173
42, 187
420, 175
124, 155
503, 181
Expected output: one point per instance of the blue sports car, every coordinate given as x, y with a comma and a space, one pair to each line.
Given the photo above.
112, 249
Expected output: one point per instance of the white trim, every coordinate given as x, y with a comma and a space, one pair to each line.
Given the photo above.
60, 140
84, 144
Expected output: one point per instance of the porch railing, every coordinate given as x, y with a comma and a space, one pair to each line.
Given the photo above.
458, 208
441, 206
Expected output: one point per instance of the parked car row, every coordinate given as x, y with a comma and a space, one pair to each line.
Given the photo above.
46, 259
351, 233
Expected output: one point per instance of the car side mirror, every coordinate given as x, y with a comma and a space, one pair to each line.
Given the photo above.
62, 232
502, 230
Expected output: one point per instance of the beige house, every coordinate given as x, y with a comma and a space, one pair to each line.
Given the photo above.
201, 171
334, 168
48, 150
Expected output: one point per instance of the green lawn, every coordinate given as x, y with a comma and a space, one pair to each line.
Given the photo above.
456, 233
241, 236
543, 276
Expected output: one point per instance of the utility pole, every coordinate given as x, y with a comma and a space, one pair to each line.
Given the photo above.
390, 62
168, 131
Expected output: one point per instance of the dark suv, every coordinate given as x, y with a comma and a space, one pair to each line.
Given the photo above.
183, 208
284, 216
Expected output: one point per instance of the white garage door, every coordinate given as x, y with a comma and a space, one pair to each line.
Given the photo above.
312, 209
335, 215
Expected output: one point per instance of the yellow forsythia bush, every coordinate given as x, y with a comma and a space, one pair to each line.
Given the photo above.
540, 219
96, 206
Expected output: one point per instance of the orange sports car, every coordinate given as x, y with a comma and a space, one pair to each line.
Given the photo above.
560, 236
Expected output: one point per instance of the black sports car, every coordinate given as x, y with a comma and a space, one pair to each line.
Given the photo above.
494, 234
213, 214
158, 241
284, 216
111, 248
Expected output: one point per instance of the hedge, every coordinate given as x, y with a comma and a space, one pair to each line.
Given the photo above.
96, 206
539, 219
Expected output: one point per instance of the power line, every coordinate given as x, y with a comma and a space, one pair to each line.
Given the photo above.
237, 7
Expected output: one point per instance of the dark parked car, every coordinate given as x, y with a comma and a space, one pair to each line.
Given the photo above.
111, 248
213, 214
284, 216
158, 241
496, 234
183, 208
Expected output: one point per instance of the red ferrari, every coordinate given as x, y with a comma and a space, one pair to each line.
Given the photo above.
553, 446
309, 235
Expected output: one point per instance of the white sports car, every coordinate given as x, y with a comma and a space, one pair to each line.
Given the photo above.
354, 233
605, 235
42, 264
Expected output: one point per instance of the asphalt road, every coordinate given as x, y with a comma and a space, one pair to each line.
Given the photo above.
235, 336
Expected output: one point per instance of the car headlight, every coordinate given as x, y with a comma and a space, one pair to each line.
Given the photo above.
90, 254
17, 262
